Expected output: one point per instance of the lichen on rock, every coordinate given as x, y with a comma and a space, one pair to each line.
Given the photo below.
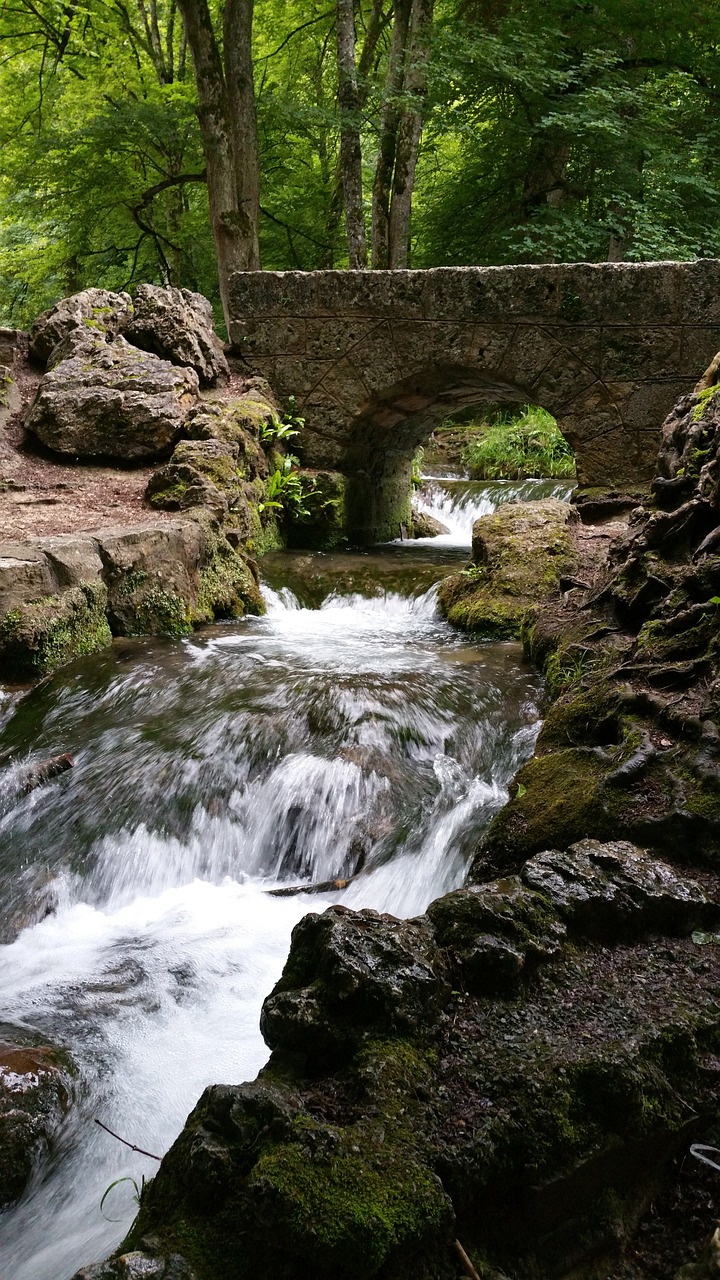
109, 400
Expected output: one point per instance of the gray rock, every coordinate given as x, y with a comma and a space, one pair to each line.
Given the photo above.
426, 526
349, 972
97, 311
616, 889
239, 422
111, 400
178, 325
138, 1265
496, 932
201, 473
151, 572
35, 1094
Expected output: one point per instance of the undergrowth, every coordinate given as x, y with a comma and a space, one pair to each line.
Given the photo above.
516, 446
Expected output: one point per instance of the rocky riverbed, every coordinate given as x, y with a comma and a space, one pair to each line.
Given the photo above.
508, 1084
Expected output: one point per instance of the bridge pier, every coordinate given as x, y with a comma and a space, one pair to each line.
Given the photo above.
375, 359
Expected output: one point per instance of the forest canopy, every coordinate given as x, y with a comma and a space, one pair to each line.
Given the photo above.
471, 131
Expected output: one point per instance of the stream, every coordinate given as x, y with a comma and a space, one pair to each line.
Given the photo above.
348, 733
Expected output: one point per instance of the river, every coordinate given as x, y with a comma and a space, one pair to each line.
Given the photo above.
348, 733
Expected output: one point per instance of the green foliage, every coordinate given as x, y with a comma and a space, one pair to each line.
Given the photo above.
553, 133
515, 446
287, 490
282, 428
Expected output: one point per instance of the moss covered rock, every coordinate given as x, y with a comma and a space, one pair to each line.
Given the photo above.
38, 637
36, 1090
532, 1123
630, 748
521, 552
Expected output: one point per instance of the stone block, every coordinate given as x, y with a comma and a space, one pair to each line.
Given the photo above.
331, 339
633, 351
642, 293
25, 574
647, 404
700, 345
529, 353
340, 381
73, 559
278, 336
701, 292
559, 382
261, 294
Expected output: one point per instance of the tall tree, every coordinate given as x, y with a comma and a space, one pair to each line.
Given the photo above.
350, 148
226, 111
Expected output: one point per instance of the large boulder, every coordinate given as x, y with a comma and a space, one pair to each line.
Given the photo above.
533, 1125
497, 933
521, 554
94, 311
36, 1085
178, 326
615, 890
350, 973
109, 400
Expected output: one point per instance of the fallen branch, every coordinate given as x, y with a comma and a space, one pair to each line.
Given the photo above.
326, 886
125, 1142
40, 773
467, 1265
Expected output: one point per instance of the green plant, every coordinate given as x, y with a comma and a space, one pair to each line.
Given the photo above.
288, 490
283, 427
137, 1197
416, 472
514, 446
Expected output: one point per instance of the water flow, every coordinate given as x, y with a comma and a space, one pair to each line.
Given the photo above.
360, 740
458, 502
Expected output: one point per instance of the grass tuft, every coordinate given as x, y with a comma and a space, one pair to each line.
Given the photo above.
516, 446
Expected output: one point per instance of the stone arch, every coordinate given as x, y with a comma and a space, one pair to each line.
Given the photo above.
373, 357
399, 380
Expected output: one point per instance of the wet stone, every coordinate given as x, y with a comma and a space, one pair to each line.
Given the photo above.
349, 972
496, 933
616, 889
35, 1093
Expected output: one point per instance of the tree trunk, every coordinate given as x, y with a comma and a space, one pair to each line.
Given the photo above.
387, 142
226, 141
237, 32
350, 152
409, 130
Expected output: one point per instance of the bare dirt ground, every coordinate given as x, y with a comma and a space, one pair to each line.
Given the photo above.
42, 495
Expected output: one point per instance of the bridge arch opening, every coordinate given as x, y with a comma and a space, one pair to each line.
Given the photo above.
385, 436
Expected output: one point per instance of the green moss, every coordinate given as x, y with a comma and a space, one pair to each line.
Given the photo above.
226, 589
132, 581
37, 638
169, 498
162, 613
703, 402
476, 608
346, 1213
558, 805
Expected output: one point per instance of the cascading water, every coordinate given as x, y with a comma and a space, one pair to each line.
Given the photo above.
359, 739
458, 502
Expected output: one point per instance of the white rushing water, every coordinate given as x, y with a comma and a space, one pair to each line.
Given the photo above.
312, 743
457, 503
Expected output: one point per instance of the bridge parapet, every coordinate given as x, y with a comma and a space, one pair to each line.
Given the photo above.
375, 359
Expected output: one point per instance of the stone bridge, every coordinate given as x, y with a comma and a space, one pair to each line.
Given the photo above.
375, 359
